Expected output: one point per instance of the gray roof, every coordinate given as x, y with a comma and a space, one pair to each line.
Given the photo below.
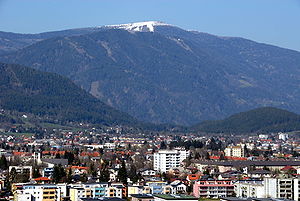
146, 196
250, 163
56, 161
102, 198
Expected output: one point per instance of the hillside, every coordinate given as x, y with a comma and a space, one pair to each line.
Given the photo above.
267, 119
52, 96
10, 42
164, 74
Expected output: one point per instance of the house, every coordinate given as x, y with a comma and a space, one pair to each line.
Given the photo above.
148, 173
259, 173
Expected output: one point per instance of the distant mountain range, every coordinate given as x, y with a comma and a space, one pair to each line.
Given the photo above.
51, 96
160, 73
260, 120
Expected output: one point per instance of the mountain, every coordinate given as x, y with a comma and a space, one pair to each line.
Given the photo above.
160, 73
10, 42
52, 96
266, 119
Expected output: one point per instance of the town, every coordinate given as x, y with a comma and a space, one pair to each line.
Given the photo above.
113, 164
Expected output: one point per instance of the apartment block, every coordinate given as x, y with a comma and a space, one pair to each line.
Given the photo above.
164, 160
213, 188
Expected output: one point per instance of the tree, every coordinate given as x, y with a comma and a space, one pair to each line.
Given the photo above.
3, 163
59, 173
132, 174
36, 173
69, 176
122, 174
92, 170
163, 145
12, 175
70, 156
104, 175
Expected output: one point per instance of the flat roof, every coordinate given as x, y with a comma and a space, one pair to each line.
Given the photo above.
175, 197
141, 196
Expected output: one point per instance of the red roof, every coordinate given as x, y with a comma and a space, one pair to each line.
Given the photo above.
288, 168
194, 177
42, 179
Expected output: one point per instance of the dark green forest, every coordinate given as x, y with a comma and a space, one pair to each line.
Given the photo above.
266, 119
50, 95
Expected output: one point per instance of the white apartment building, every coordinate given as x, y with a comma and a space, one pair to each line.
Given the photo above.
167, 159
283, 136
284, 188
245, 189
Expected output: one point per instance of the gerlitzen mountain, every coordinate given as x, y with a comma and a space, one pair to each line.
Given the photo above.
161, 73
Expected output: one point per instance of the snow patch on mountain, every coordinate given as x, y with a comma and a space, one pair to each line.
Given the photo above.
139, 26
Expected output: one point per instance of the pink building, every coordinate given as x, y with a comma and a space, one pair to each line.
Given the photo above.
213, 188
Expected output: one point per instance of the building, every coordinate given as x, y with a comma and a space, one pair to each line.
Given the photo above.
39, 192
167, 159
279, 188
224, 166
89, 190
251, 188
48, 172
26, 170
213, 188
155, 187
235, 151
283, 136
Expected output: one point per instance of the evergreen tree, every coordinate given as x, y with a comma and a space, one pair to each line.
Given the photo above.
122, 174
132, 174
163, 145
59, 174
104, 175
12, 175
36, 173
3, 163
69, 176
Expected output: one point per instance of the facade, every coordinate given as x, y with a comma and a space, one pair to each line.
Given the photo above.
96, 190
281, 188
235, 151
252, 188
287, 188
164, 160
48, 172
22, 170
283, 136
39, 192
213, 189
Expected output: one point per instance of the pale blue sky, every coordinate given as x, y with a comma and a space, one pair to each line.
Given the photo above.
275, 22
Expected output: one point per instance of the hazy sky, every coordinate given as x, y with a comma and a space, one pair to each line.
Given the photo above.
270, 21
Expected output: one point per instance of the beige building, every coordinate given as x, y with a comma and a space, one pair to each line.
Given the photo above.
235, 151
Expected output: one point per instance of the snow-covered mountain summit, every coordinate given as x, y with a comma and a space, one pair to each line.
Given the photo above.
139, 26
